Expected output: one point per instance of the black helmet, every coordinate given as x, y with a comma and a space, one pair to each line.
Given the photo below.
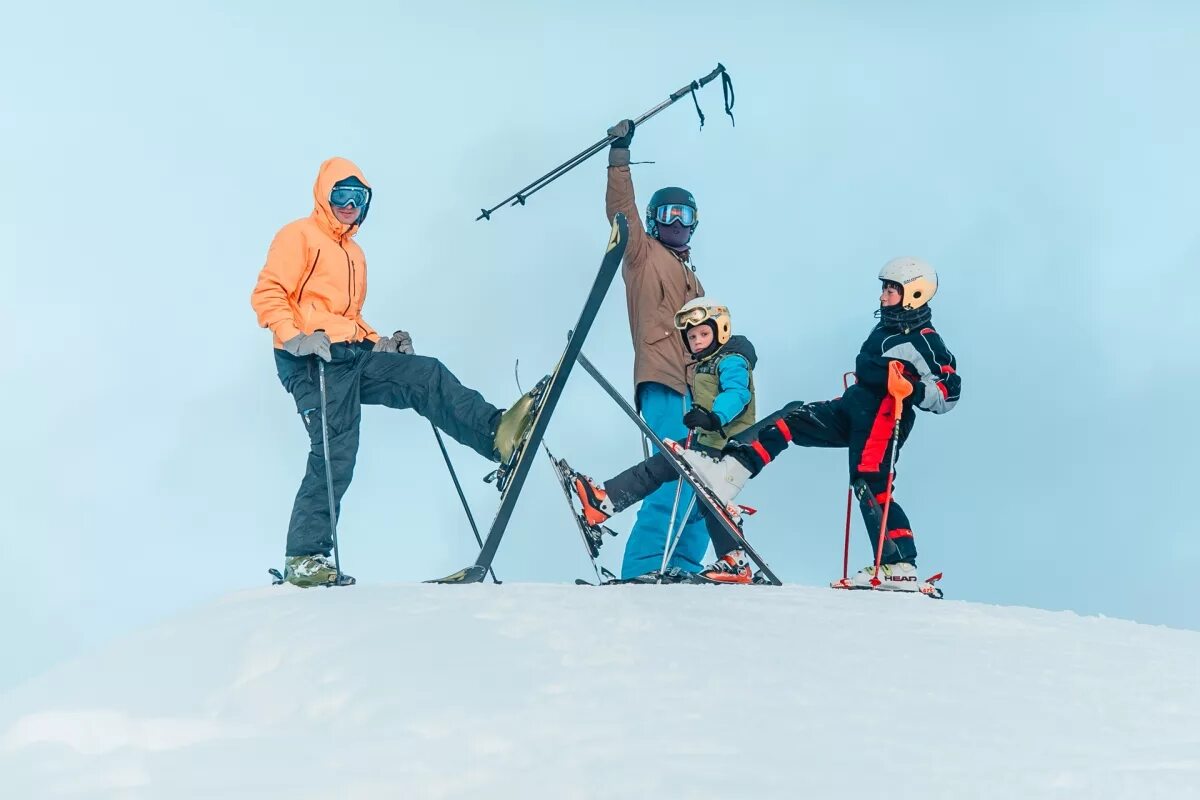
669, 196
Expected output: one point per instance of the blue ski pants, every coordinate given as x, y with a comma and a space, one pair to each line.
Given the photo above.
663, 409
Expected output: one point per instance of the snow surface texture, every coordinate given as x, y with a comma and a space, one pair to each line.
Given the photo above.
555, 691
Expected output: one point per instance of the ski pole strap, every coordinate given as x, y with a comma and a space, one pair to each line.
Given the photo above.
727, 91
697, 102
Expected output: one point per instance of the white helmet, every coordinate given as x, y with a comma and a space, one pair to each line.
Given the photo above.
701, 310
916, 277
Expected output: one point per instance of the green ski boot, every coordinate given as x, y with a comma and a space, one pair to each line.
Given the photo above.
314, 570
516, 421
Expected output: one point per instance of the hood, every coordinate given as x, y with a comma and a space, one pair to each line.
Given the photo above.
737, 345
333, 170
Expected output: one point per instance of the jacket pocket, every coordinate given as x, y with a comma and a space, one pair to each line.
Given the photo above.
653, 338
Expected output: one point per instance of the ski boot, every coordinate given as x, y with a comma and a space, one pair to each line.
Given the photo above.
516, 421
597, 507
733, 567
313, 570
899, 577
724, 476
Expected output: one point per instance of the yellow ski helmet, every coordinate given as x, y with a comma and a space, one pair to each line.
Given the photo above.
701, 310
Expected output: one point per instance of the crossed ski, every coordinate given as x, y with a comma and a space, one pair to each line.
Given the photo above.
514, 472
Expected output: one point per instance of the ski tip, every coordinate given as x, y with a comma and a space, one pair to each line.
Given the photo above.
471, 574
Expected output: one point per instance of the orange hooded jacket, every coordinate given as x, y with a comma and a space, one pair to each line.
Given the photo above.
315, 277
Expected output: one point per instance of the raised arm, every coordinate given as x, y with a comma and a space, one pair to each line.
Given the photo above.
619, 194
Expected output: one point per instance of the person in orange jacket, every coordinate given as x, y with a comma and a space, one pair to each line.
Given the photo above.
310, 293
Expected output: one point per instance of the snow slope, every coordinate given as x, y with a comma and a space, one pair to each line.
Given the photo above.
529, 691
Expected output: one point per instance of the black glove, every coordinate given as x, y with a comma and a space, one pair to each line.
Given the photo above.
623, 130
703, 419
618, 153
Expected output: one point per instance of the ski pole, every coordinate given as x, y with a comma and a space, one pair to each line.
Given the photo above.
687, 512
458, 488
337, 564
668, 547
849, 498
521, 195
899, 388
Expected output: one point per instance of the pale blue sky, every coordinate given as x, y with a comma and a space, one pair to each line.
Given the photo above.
1041, 156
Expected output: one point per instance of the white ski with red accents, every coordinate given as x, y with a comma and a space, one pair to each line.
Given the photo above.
926, 587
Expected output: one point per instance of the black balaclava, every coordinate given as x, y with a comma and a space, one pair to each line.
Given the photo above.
675, 236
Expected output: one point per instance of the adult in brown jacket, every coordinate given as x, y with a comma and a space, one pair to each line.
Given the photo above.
310, 294
659, 279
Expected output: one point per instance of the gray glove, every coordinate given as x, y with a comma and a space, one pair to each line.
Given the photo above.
618, 153
309, 344
398, 342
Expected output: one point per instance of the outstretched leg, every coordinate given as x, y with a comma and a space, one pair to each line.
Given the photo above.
425, 385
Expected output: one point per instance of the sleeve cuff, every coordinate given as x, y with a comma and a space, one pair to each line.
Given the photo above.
618, 156
286, 331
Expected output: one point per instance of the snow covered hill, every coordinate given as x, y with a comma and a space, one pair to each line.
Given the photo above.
532, 691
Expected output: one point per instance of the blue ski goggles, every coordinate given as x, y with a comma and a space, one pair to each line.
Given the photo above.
349, 197
675, 212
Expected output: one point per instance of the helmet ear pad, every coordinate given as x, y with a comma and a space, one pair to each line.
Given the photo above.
917, 278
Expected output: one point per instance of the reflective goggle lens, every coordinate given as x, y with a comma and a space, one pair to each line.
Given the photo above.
675, 212
692, 316
349, 197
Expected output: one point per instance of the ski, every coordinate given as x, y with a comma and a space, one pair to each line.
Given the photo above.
672, 575
927, 587
515, 474
703, 492
592, 535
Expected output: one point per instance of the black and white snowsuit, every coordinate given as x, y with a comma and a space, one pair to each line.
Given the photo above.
863, 420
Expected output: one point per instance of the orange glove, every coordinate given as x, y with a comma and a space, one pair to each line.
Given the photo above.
899, 386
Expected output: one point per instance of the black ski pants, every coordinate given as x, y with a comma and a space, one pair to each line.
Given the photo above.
354, 377
864, 424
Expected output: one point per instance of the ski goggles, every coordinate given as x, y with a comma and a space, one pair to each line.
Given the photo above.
349, 196
675, 212
694, 316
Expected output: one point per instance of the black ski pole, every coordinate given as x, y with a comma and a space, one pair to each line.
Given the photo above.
337, 564
458, 487
521, 195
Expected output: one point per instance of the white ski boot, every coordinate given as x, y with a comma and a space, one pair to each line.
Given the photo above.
900, 577
725, 476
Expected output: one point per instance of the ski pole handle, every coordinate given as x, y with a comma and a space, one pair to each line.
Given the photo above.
698, 84
899, 387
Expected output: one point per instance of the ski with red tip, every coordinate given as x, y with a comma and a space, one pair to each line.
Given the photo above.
927, 587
